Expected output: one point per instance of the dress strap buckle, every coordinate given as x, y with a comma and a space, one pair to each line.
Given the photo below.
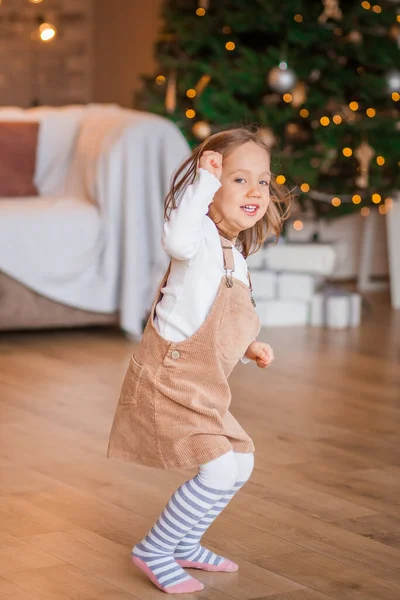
229, 262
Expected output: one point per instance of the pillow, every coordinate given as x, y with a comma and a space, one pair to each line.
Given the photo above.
18, 143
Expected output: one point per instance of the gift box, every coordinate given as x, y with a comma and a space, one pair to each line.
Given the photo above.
282, 313
336, 309
317, 259
257, 260
296, 286
265, 284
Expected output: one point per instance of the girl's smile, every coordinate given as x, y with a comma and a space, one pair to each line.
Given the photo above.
243, 197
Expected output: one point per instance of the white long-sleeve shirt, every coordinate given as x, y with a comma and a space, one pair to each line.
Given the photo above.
192, 240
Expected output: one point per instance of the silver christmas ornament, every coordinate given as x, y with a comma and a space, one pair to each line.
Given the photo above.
282, 80
393, 81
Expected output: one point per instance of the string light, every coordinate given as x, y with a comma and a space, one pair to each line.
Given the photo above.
376, 198
230, 45
336, 201
287, 98
298, 18
47, 32
281, 179
324, 121
356, 199
200, 12
191, 93
304, 113
380, 160
396, 96
364, 211
371, 112
366, 5
377, 9
398, 18
160, 80
190, 113
353, 106
337, 119
36, 1
298, 225
383, 210
305, 187
347, 152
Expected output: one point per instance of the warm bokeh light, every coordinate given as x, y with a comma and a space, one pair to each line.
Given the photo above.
336, 201
280, 179
47, 32
287, 98
191, 93
396, 96
383, 209
160, 80
389, 202
298, 225
371, 112
305, 187
34, 1
304, 113
230, 45
366, 5
356, 199
353, 106
190, 113
324, 121
298, 18
365, 211
380, 160
337, 119
200, 12
376, 198
376, 8
347, 152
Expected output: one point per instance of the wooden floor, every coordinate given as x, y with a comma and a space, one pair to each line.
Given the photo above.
319, 519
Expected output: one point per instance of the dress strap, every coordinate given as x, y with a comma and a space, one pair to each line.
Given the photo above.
229, 262
251, 288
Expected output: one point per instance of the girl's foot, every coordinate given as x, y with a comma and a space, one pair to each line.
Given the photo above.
166, 574
204, 559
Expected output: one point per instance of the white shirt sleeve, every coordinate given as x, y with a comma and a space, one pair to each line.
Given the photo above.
181, 237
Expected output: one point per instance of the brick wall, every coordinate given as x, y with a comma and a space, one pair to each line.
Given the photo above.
54, 73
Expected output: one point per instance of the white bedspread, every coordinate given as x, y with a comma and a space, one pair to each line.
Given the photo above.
95, 242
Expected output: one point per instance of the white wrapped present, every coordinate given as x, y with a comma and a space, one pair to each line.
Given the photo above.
264, 283
335, 308
281, 313
257, 260
296, 286
318, 259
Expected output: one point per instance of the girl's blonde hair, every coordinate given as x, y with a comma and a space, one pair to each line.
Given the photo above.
224, 142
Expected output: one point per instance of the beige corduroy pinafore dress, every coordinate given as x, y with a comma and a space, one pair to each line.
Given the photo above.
173, 410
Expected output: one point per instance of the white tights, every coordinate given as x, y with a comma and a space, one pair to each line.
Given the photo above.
224, 472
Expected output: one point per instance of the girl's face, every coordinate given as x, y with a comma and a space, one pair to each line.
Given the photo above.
243, 197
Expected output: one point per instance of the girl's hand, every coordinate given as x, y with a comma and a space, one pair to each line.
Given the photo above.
212, 162
261, 353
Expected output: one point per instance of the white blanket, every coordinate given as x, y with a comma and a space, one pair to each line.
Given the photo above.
96, 242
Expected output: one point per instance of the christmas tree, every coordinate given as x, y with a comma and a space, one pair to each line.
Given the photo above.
320, 78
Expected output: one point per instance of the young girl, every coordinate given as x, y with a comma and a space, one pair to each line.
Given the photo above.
173, 410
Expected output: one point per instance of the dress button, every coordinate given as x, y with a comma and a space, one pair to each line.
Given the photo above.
175, 354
